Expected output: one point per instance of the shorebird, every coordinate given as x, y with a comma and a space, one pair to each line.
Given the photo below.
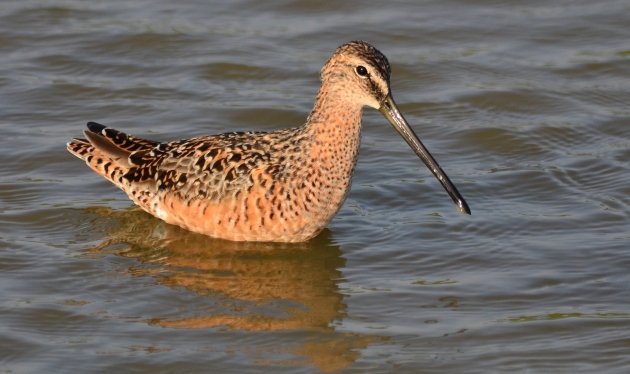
282, 186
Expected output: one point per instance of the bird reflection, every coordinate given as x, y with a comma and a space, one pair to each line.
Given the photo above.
253, 286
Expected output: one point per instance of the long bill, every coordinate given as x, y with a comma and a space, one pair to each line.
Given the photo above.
393, 115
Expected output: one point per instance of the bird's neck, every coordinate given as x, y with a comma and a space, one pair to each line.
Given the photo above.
331, 146
334, 129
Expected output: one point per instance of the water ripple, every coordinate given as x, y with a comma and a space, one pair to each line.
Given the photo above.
524, 104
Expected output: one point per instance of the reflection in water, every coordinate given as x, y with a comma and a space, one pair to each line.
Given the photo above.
256, 286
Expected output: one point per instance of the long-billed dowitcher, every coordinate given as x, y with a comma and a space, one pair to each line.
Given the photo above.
284, 185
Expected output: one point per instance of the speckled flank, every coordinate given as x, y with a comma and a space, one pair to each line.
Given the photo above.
252, 186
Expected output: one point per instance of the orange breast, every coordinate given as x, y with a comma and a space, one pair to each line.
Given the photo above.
250, 216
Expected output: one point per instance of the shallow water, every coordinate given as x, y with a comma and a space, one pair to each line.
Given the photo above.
525, 105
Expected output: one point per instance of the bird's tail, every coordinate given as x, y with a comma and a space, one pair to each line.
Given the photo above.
107, 151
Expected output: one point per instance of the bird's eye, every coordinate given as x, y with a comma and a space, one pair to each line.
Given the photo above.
362, 71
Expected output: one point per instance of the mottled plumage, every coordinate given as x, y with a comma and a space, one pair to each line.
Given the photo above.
283, 185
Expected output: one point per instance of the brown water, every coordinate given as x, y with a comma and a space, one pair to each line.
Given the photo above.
525, 104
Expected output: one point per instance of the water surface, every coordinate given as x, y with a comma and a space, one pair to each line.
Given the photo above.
525, 105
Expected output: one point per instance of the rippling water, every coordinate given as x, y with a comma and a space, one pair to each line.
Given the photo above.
525, 105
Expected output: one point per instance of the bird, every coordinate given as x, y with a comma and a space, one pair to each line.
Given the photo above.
278, 186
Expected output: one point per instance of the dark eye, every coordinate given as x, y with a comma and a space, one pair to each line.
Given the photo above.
362, 71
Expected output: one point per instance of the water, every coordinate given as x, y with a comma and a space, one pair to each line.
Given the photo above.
524, 104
